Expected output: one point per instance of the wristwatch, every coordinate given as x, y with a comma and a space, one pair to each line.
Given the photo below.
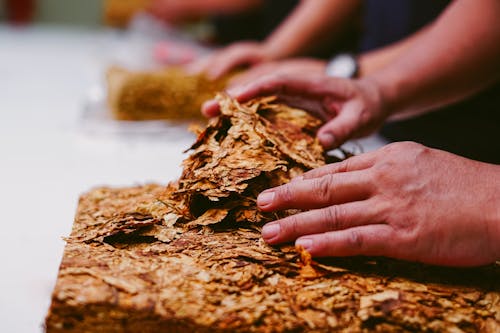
344, 65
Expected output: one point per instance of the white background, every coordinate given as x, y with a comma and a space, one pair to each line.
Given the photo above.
48, 157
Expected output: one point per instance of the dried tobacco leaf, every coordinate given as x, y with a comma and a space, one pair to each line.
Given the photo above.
166, 278
248, 148
167, 94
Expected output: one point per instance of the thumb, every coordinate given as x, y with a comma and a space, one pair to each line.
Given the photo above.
210, 108
338, 130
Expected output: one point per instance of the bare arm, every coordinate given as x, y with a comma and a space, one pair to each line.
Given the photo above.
182, 10
375, 60
210, 7
455, 58
311, 24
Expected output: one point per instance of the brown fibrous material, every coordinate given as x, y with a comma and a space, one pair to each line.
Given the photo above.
169, 94
189, 257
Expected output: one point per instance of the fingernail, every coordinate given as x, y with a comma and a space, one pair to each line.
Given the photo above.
326, 139
270, 230
306, 243
265, 198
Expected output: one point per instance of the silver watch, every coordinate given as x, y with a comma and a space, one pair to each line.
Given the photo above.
344, 65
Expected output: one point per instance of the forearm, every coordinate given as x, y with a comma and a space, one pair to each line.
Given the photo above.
457, 57
211, 7
375, 60
311, 23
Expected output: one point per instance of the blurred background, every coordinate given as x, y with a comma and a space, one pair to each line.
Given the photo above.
53, 57
73, 12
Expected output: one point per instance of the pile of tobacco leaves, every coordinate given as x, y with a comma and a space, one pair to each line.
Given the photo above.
248, 148
191, 257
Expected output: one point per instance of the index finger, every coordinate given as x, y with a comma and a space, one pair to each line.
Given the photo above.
268, 85
316, 85
354, 163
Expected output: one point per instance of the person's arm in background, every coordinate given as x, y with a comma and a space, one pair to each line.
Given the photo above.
456, 57
372, 61
368, 62
311, 24
176, 11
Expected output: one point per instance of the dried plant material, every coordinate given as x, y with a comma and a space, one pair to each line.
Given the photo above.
118, 13
229, 280
248, 148
166, 94
307, 271
190, 257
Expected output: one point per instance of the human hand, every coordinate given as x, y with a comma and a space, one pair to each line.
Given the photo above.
350, 108
299, 66
235, 55
404, 201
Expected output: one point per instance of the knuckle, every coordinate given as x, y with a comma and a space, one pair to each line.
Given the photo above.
405, 146
322, 187
393, 147
383, 209
344, 166
290, 227
398, 158
383, 170
355, 240
333, 217
285, 194
318, 172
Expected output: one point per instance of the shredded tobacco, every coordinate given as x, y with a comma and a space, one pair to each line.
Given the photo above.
189, 257
166, 94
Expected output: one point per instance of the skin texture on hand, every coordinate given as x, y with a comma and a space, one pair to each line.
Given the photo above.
298, 66
350, 108
229, 58
403, 201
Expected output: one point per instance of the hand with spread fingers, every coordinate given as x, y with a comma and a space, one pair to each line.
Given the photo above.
404, 201
350, 108
298, 66
230, 58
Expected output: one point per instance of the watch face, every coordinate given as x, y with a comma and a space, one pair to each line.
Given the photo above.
343, 65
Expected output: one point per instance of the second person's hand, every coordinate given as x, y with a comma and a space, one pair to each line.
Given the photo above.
350, 108
229, 58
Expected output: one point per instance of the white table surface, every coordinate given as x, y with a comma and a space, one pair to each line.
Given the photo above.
47, 159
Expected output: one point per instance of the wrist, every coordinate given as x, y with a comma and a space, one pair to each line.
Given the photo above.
369, 63
271, 52
374, 91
